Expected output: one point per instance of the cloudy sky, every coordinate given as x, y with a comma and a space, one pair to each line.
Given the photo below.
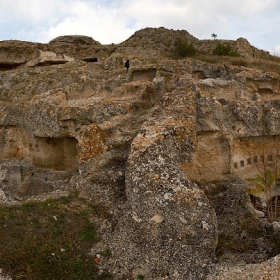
113, 21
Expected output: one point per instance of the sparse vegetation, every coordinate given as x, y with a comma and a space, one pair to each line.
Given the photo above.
225, 49
106, 253
214, 36
261, 64
265, 182
183, 48
49, 240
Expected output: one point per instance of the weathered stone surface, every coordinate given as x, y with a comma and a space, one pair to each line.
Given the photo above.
157, 187
78, 39
15, 53
150, 145
269, 269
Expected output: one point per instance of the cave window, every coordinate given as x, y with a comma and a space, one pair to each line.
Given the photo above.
90, 59
55, 153
145, 75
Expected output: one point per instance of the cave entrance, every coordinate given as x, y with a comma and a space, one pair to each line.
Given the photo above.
146, 75
90, 59
210, 162
55, 153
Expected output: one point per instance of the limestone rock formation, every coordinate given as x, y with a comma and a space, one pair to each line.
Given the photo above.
152, 145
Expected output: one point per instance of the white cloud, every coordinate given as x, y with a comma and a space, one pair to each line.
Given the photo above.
113, 21
31, 10
277, 50
103, 24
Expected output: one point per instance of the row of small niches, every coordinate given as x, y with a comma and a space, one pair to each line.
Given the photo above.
255, 159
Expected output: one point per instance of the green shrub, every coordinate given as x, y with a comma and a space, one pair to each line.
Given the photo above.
183, 48
225, 49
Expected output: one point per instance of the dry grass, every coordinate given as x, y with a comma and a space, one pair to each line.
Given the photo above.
272, 65
49, 240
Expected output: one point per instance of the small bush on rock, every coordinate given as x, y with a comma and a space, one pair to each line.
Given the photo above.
183, 48
225, 49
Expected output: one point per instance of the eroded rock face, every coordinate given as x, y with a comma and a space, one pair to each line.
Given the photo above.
138, 143
15, 53
77, 39
170, 211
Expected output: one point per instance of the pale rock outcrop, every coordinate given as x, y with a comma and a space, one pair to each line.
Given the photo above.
48, 57
77, 39
15, 53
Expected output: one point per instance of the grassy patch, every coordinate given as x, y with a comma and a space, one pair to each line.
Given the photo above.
261, 64
49, 240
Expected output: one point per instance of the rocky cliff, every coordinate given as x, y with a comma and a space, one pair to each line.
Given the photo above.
156, 146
